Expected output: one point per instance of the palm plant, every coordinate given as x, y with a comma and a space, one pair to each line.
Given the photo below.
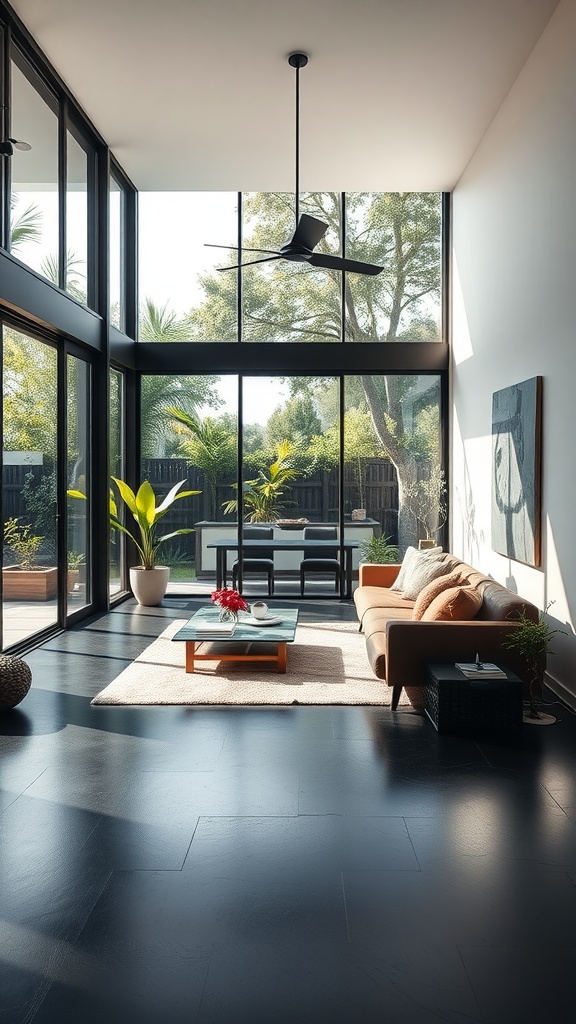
262, 496
210, 446
159, 323
26, 227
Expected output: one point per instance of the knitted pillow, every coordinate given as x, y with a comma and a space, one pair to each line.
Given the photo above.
457, 604
423, 572
411, 556
426, 596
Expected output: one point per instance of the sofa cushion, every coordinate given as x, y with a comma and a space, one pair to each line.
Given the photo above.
457, 604
412, 556
366, 598
431, 590
423, 572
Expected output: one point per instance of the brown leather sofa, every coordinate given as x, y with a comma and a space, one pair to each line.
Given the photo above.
400, 647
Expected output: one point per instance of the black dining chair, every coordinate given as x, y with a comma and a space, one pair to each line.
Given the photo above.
260, 559
320, 560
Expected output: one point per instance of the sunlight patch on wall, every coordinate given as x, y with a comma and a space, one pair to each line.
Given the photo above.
461, 340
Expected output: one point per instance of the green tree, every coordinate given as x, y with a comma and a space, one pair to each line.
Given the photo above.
360, 443
209, 445
296, 420
30, 391
399, 231
157, 395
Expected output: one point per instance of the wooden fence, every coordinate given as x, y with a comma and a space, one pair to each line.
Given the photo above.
315, 497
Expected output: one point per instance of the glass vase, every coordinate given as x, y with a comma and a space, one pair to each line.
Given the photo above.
227, 615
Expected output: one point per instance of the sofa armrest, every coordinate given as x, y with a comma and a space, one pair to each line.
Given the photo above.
411, 645
372, 574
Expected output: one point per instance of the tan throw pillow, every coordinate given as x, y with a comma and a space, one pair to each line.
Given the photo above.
457, 604
411, 558
426, 596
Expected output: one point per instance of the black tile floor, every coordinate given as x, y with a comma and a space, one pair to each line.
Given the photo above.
226, 865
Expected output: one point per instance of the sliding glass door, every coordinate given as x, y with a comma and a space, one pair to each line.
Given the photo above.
29, 487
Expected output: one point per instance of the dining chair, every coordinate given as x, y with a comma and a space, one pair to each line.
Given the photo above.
320, 560
260, 559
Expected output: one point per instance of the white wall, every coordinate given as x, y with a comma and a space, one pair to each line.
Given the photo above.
514, 317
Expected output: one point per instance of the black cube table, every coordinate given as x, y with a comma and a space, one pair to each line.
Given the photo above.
456, 703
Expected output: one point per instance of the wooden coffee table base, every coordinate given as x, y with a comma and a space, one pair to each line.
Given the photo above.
277, 657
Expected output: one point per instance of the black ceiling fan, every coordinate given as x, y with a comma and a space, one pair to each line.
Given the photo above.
309, 231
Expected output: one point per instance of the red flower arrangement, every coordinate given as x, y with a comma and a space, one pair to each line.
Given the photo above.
230, 600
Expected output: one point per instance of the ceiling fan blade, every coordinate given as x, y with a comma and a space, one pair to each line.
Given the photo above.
214, 245
321, 259
309, 232
267, 259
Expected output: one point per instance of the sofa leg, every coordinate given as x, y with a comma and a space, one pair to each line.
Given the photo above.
396, 692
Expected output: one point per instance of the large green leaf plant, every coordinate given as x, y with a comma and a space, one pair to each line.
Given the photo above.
146, 514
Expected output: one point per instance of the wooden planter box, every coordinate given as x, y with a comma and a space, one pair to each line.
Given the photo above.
29, 584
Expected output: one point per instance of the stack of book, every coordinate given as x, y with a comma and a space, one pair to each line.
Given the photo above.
480, 670
213, 629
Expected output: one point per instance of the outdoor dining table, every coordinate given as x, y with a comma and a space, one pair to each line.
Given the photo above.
279, 544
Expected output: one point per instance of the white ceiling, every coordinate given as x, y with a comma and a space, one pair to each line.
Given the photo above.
198, 94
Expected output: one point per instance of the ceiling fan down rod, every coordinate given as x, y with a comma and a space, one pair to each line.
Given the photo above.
297, 60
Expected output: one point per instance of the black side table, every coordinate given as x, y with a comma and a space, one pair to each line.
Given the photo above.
456, 703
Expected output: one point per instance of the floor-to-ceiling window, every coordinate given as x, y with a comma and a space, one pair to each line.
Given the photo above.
364, 439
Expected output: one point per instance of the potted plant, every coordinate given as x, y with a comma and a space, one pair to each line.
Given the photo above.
262, 496
379, 550
532, 640
426, 500
75, 562
26, 581
148, 580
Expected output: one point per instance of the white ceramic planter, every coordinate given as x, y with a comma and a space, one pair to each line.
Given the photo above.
149, 585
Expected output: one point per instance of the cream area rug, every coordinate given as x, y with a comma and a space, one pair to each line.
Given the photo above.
327, 664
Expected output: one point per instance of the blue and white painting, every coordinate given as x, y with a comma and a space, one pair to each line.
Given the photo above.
516, 430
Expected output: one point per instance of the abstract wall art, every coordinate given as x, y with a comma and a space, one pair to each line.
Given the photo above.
516, 470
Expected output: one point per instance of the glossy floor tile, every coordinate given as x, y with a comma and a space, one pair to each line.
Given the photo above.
210, 865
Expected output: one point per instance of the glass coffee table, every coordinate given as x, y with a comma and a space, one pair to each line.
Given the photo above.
247, 643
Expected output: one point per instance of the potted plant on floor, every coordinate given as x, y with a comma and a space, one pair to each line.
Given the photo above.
26, 581
148, 580
532, 640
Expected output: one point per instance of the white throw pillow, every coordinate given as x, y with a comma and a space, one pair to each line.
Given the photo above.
423, 571
411, 557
